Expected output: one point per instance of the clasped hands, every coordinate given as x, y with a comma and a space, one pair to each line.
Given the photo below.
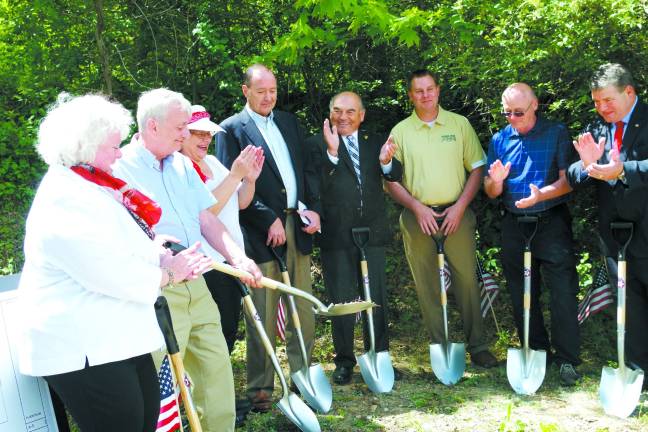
591, 151
498, 173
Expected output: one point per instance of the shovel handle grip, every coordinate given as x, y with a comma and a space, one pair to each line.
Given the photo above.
166, 325
190, 408
442, 276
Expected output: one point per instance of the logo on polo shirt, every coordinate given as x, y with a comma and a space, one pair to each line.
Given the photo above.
448, 138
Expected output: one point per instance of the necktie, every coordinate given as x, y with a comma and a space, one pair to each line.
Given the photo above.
618, 135
354, 152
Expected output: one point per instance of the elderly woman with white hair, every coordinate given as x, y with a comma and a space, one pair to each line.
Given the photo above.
93, 272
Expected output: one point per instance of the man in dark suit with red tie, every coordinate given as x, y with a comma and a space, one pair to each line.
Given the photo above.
614, 157
351, 165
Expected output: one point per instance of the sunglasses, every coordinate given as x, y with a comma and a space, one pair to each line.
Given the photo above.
518, 114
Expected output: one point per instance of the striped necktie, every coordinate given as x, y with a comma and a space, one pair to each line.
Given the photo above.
354, 152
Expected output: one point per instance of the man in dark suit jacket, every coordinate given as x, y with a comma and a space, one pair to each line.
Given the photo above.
614, 157
287, 179
352, 197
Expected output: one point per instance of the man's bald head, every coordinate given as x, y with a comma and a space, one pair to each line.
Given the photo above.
519, 105
519, 90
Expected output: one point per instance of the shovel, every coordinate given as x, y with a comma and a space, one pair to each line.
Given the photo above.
525, 367
311, 381
290, 405
376, 368
620, 388
318, 307
166, 326
448, 359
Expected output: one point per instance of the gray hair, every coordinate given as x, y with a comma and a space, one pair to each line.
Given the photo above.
332, 102
75, 127
611, 74
155, 104
249, 72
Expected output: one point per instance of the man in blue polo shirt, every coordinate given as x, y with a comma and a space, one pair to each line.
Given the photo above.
527, 163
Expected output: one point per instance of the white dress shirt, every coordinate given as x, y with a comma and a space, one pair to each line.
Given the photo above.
90, 279
229, 214
279, 149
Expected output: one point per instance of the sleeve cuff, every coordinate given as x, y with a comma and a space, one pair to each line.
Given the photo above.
334, 159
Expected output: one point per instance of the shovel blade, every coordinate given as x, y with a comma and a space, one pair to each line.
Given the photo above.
377, 371
448, 362
314, 387
349, 308
620, 390
526, 373
297, 412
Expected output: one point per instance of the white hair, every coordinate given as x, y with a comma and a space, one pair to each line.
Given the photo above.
75, 127
155, 104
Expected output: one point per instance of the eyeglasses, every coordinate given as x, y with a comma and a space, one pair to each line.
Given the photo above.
518, 114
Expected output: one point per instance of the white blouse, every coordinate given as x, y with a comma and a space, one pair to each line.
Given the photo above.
229, 214
90, 279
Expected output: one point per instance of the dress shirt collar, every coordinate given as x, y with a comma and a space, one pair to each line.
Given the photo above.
626, 119
441, 119
258, 118
146, 156
354, 135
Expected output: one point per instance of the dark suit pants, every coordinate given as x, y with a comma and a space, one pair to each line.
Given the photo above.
225, 292
636, 341
343, 282
117, 396
553, 254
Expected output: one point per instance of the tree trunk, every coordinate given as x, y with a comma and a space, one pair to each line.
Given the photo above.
104, 60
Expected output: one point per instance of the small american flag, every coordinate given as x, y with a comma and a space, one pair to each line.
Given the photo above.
281, 320
169, 418
488, 286
598, 297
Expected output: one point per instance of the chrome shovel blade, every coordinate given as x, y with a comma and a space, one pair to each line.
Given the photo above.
620, 390
526, 374
297, 412
377, 371
314, 387
448, 362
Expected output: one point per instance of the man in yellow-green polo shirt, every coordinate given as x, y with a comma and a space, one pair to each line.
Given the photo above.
442, 169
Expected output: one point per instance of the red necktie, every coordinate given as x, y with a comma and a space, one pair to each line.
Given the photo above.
618, 135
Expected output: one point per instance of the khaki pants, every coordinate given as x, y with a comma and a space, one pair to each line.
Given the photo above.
420, 250
260, 373
196, 323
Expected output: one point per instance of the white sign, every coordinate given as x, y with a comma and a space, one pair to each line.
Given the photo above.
25, 404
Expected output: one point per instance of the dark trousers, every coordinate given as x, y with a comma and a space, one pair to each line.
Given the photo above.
553, 254
636, 339
59, 411
343, 282
225, 292
118, 396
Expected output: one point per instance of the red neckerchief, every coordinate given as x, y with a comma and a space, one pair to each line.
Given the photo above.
135, 202
200, 172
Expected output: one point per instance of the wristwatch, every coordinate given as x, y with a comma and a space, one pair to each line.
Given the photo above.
622, 176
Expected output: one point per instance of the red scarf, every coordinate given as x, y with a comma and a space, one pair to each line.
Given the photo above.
200, 172
135, 201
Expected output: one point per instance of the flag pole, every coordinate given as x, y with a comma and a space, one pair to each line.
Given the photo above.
490, 306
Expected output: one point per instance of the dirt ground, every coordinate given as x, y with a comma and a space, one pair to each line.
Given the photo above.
482, 401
